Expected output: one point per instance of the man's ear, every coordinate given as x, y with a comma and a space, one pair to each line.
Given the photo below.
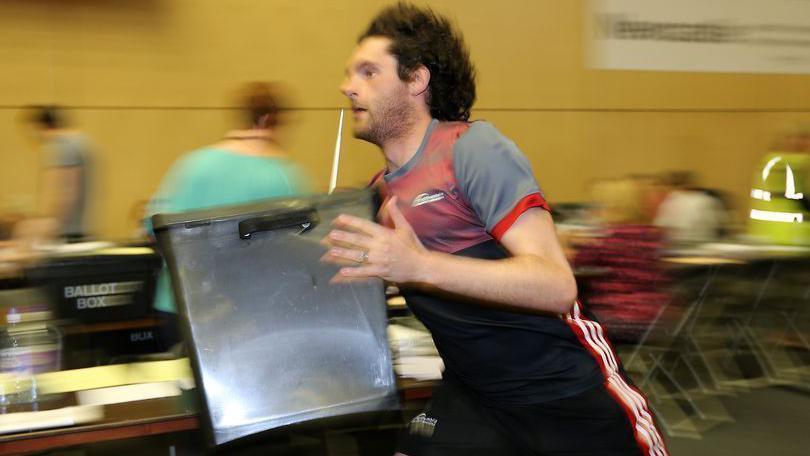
420, 80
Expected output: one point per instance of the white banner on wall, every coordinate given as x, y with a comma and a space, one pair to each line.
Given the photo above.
739, 36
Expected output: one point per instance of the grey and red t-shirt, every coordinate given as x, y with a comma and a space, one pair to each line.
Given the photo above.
462, 190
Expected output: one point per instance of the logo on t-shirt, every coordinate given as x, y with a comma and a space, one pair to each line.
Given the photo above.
425, 198
422, 425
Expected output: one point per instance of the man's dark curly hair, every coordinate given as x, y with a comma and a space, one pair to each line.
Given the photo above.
421, 37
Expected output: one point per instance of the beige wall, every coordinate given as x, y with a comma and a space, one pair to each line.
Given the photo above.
150, 79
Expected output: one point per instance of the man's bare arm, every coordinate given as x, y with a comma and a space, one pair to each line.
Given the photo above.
537, 276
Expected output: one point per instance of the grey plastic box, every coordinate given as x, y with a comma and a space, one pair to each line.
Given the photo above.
272, 343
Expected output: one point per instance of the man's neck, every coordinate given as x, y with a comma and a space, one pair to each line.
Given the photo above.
59, 132
255, 141
252, 133
400, 150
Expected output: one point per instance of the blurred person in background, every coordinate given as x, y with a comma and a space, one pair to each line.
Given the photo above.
247, 165
779, 192
690, 214
66, 188
65, 191
631, 285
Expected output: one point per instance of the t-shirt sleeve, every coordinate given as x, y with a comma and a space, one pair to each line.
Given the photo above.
496, 177
65, 154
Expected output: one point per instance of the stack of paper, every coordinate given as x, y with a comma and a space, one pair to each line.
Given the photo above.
67, 416
415, 355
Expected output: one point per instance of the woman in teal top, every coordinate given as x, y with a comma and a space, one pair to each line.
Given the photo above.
247, 165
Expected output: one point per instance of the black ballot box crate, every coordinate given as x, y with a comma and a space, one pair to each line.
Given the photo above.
108, 285
97, 344
272, 342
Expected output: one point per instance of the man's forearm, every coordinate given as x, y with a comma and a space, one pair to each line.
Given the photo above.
526, 281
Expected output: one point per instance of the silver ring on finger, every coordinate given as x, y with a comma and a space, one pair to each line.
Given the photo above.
363, 258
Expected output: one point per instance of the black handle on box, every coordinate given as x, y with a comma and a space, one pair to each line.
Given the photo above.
304, 220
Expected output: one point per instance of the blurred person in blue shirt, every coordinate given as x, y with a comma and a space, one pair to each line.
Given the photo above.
247, 165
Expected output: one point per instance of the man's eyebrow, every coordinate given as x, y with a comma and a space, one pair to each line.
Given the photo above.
357, 66
365, 64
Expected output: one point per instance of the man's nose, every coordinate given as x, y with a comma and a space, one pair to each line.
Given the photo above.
347, 89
